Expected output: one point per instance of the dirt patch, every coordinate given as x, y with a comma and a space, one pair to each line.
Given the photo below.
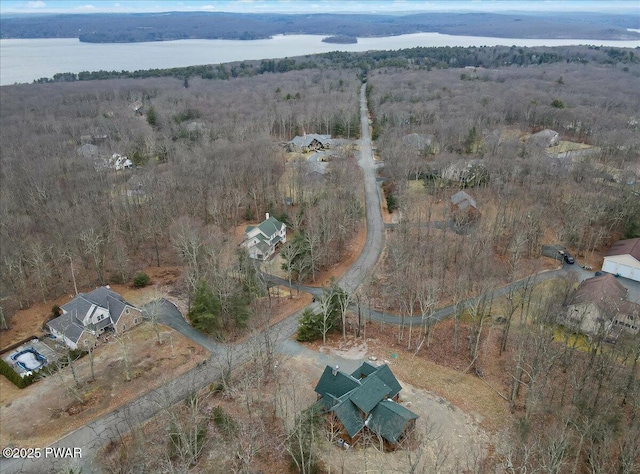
45, 411
442, 429
439, 369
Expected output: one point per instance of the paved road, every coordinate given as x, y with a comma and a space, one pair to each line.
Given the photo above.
169, 315
98, 433
375, 227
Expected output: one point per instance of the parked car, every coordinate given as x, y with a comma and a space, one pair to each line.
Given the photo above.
566, 256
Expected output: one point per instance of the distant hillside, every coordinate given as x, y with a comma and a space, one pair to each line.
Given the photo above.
128, 28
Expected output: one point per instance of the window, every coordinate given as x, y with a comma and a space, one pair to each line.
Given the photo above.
124, 327
126, 311
135, 320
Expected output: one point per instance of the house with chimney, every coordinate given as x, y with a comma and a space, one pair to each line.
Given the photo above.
262, 240
90, 315
365, 402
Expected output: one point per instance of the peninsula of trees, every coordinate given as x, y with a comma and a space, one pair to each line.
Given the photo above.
340, 39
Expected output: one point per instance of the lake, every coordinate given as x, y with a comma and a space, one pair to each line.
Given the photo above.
24, 60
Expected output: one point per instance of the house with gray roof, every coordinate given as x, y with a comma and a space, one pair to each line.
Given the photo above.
545, 138
309, 142
365, 400
91, 314
262, 240
463, 207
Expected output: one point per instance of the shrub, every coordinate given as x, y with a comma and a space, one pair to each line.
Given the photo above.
224, 421
56, 311
392, 202
141, 280
310, 326
13, 377
557, 103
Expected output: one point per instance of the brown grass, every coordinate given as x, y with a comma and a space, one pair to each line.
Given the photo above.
44, 412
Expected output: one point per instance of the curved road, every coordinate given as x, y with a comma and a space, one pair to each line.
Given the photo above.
99, 432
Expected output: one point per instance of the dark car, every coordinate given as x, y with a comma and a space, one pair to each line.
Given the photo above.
569, 259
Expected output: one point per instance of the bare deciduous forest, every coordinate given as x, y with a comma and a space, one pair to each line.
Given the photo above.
209, 159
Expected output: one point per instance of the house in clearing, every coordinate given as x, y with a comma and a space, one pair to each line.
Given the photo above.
365, 401
92, 314
262, 240
545, 138
623, 259
600, 306
309, 142
463, 207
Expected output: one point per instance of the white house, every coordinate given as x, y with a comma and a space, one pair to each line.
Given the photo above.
120, 162
262, 240
623, 259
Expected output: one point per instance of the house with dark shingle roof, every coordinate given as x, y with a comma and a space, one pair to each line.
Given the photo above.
262, 240
309, 142
600, 306
91, 314
366, 400
463, 207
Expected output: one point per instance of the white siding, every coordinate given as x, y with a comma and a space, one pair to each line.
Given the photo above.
623, 265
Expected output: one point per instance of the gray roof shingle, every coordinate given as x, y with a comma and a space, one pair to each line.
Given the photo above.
67, 324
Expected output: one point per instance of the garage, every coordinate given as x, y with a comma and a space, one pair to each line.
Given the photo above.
623, 259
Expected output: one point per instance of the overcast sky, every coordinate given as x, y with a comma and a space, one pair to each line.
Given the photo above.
315, 6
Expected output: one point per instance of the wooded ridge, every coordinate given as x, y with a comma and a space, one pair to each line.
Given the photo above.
142, 27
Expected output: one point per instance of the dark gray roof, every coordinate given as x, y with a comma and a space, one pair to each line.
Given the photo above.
270, 226
67, 325
370, 393
385, 374
336, 385
306, 140
462, 200
77, 307
100, 296
361, 401
389, 419
116, 307
365, 369
349, 416
70, 323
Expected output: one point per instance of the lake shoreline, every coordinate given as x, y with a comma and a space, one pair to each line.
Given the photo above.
27, 60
